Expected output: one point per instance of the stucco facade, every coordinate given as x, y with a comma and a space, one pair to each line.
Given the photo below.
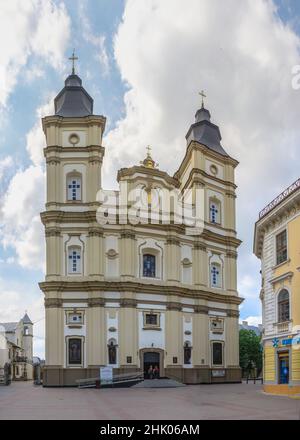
124, 294
280, 267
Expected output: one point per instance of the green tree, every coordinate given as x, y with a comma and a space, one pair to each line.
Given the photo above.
250, 351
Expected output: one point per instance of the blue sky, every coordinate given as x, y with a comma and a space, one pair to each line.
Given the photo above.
144, 72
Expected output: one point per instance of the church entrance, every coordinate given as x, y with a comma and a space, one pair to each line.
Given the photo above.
151, 359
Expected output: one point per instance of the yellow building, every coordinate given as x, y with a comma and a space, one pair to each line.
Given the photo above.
277, 244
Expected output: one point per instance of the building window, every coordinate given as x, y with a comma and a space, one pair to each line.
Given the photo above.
215, 275
281, 247
151, 320
217, 353
187, 349
214, 211
26, 331
74, 187
74, 259
75, 351
112, 352
283, 306
149, 266
129, 359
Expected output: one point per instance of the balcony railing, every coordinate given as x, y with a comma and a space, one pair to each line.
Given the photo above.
283, 327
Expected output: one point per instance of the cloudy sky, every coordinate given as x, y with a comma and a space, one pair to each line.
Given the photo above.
144, 61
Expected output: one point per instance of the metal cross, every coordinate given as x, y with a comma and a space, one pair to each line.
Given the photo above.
73, 59
148, 149
203, 96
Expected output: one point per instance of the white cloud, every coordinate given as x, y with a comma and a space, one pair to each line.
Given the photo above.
97, 40
40, 28
35, 138
252, 320
21, 228
5, 165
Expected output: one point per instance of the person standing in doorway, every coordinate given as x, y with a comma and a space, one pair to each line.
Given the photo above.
156, 372
150, 372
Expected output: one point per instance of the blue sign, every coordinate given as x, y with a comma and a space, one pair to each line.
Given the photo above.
275, 342
287, 341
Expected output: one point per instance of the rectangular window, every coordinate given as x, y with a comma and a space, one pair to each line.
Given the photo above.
151, 319
217, 353
75, 351
281, 247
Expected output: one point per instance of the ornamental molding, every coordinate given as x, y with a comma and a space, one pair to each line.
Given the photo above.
233, 313
172, 305
287, 275
128, 302
127, 234
96, 302
51, 303
137, 287
186, 262
173, 241
52, 232
279, 199
112, 254
201, 309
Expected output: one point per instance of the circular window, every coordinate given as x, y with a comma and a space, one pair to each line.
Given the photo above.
73, 139
214, 170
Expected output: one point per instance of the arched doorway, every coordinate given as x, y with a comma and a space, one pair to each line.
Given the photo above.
158, 359
150, 358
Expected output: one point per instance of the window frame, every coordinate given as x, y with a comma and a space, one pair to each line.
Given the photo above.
73, 248
148, 254
70, 176
147, 326
279, 259
81, 363
219, 285
215, 201
281, 304
213, 343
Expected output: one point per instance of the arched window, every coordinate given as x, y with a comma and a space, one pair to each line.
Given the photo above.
187, 349
214, 211
149, 265
74, 260
215, 275
283, 306
74, 184
112, 351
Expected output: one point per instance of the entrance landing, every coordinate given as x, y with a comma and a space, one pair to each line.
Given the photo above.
159, 383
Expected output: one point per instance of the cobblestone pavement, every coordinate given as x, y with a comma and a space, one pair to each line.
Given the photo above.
23, 400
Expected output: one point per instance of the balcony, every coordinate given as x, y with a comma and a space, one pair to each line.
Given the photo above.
283, 327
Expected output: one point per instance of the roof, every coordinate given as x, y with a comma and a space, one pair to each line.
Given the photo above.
283, 196
205, 132
73, 101
9, 326
26, 319
284, 202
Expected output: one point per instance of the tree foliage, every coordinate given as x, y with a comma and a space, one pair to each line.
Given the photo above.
250, 350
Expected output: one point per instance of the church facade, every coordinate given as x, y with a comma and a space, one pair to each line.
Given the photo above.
134, 294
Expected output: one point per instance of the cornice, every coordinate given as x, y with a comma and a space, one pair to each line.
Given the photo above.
149, 173
136, 287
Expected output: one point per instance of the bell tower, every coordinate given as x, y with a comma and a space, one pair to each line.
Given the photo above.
74, 156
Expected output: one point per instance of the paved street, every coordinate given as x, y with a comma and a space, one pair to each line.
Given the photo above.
238, 401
